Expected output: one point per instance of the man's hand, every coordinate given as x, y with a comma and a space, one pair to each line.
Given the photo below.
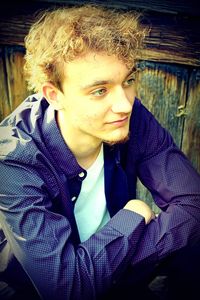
141, 208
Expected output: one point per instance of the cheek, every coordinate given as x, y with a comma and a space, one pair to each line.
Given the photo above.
91, 117
90, 113
94, 113
131, 95
130, 92
93, 120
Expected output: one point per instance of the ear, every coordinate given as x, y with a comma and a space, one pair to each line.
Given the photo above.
53, 95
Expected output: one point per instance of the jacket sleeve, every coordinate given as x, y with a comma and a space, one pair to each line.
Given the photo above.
175, 187
40, 239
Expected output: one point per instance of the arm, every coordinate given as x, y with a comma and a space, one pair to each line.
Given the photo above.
40, 239
141, 208
175, 187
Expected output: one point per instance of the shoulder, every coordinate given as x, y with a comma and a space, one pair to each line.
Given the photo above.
20, 130
147, 135
141, 116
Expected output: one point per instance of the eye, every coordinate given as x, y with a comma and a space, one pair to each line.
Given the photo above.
99, 92
130, 81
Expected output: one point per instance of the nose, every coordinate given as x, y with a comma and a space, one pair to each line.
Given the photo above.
122, 102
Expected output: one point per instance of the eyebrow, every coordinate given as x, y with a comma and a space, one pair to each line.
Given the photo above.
96, 83
104, 82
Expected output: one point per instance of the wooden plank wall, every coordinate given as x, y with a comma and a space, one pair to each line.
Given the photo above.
172, 94
12, 82
191, 130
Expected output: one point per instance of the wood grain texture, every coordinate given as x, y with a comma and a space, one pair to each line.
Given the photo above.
191, 133
5, 105
16, 81
14, 29
163, 89
169, 6
13, 88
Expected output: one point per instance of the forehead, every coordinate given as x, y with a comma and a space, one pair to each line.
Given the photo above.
94, 67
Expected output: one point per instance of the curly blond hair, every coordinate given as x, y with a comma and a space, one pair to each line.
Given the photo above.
65, 33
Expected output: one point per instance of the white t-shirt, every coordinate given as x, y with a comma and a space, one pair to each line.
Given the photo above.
90, 209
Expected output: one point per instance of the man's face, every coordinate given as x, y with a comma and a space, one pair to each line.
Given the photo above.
97, 99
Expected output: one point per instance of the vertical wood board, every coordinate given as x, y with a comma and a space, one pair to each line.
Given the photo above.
163, 90
191, 136
5, 106
17, 88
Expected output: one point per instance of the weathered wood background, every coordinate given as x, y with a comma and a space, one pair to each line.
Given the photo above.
172, 94
168, 81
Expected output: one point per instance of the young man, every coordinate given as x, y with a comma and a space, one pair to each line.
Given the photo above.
70, 156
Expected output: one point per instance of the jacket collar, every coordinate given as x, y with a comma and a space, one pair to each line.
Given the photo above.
59, 150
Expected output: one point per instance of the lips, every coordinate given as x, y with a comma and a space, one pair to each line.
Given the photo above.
119, 121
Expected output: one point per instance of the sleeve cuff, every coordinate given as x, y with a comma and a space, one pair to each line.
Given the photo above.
127, 222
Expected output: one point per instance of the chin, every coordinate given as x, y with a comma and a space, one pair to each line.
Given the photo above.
117, 141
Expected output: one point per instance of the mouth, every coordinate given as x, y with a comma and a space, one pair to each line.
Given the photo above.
120, 122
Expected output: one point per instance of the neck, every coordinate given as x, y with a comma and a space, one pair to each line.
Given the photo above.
86, 160
84, 147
